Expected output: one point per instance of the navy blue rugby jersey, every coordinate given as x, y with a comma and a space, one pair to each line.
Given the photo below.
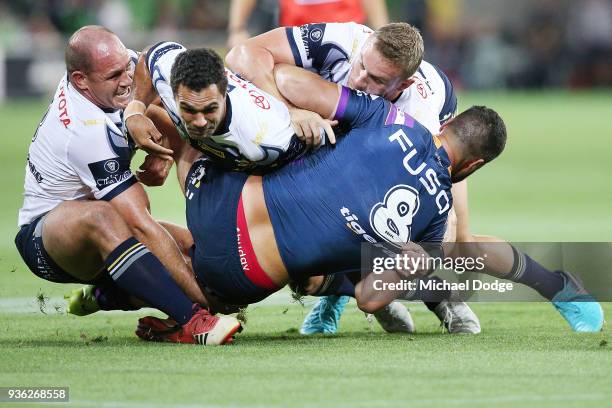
387, 180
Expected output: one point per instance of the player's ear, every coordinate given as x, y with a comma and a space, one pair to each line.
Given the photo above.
466, 169
79, 79
473, 165
445, 124
406, 83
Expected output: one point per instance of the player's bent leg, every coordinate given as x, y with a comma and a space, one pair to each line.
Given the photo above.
181, 236
459, 221
450, 235
577, 306
504, 261
79, 235
568, 296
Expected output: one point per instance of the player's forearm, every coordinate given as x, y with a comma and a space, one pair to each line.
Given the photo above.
307, 90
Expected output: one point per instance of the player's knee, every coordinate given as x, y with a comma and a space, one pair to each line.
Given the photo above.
103, 223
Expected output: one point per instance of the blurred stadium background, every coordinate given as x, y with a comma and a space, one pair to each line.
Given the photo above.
545, 65
480, 44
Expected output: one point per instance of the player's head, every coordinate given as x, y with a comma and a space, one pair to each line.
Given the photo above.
199, 83
388, 60
99, 66
472, 139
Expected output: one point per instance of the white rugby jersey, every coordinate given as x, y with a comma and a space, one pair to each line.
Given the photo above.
79, 151
329, 50
257, 132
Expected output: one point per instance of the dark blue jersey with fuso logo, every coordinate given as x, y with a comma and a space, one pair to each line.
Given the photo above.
387, 180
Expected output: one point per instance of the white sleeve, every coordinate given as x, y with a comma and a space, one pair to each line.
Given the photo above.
134, 55
160, 59
319, 47
101, 158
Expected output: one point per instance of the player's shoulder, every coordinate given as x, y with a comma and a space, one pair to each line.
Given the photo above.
318, 31
350, 28
88, 122
350, 36
347, 36
71, 112
155, 54
134, 55
435, 77
432, 91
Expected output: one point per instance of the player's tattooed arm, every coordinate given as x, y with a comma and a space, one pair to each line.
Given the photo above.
141, 128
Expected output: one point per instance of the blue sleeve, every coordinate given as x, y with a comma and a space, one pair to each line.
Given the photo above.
436, 230
358, 109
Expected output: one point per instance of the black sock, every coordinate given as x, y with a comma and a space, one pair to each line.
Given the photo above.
337, 284
528, 272
111, 297
140, 273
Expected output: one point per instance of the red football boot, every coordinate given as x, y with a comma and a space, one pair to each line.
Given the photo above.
203, 328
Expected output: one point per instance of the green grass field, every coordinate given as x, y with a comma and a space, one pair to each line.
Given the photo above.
551, 184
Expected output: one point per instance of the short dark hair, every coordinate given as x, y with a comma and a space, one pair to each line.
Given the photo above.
481, 131
198, 69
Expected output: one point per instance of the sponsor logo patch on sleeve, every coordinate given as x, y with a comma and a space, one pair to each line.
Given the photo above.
110, 171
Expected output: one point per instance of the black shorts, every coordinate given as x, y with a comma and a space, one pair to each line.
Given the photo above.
212, 203
30, 245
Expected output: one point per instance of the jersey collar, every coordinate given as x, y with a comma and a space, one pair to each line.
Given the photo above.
441, 155
224, 128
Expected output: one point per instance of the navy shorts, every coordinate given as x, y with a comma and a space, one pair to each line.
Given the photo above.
30, 245
212, 196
